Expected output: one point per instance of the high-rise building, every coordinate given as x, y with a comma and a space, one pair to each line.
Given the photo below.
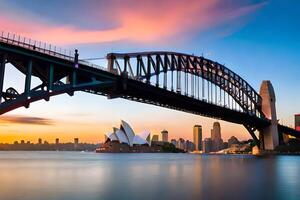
57, 141
207, 145
164, 136
155, 138
181, 144
297, 122
189, 146
217, 142
40, 141
197, 132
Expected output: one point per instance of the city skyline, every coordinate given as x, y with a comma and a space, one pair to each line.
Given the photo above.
220, 39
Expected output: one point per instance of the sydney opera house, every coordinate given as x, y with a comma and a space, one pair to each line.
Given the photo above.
124, 139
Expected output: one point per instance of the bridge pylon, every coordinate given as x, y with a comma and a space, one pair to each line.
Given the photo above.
269, 137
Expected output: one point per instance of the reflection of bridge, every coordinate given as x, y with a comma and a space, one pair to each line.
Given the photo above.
173, 80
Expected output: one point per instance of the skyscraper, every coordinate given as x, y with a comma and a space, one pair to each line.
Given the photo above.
40, 141
197, 131
217, 142
164, 135
297, 122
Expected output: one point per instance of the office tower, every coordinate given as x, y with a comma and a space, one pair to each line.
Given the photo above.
154, 138
164, 135
57, 141
207, 145
197, 132
40, 141
297, 122
217, 142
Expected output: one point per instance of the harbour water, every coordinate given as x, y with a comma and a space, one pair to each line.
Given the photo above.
91, 176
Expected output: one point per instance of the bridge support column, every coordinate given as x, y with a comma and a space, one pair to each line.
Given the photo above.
28, 78
269, 135
28, 81
2, 70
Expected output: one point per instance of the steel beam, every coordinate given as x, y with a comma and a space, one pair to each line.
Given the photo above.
50, 77
2, 70
28, 78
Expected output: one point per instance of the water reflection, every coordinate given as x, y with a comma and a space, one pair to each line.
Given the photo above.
74, 175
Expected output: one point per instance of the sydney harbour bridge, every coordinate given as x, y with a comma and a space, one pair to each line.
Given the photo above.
173, 80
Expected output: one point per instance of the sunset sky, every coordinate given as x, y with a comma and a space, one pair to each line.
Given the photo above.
258, 40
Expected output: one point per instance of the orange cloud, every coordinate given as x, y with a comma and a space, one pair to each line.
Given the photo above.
143, 21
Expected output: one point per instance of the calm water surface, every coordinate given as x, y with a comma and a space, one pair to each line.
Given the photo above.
91, 176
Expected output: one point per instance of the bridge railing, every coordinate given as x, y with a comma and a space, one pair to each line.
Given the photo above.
35, 45
44, 48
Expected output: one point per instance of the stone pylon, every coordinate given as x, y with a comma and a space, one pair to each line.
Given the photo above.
269, 135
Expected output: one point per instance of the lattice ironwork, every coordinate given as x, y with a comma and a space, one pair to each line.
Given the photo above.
196, 76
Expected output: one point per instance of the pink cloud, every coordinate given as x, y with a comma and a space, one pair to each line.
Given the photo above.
143, 21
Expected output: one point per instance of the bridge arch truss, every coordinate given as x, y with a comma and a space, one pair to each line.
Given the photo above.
190, 75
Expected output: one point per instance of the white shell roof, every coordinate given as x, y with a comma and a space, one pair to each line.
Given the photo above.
128, 131
121, 136
126, 135
139, 140
112, 136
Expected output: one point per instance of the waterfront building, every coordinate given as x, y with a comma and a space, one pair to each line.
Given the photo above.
57, 141
174, 142
155, 138
207, 145
40, 141
232, 140
189, 146
124, 139
297, 122
164, 136
225, 145
217, 142
181, 144
197, 133
76, 142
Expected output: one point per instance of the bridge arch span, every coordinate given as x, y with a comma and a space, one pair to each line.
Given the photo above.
194, 75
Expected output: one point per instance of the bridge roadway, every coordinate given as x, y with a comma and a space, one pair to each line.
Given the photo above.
51, 67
